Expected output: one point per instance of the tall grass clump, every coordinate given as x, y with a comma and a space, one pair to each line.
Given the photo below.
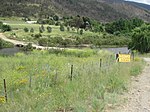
40, 81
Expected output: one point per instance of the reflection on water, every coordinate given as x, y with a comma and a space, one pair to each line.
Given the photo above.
9, 51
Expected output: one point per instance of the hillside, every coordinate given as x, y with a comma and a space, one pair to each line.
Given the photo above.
144, 6
102, 10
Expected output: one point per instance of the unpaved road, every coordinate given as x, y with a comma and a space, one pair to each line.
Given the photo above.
15, 42
138, 98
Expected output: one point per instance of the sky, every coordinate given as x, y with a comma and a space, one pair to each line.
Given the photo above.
141, 1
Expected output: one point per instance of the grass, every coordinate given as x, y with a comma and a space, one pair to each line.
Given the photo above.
69, 38
20, 34
40, 81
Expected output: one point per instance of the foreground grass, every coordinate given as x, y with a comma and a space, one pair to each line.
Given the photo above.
41, 82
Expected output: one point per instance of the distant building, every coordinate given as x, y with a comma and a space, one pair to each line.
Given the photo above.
31, 22
5, 23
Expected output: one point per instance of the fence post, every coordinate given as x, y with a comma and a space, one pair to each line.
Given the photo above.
100, 63
5, 90
30, 81
133, 55
71, 77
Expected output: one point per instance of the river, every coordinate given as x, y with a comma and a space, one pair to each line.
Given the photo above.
9, 51
12, 51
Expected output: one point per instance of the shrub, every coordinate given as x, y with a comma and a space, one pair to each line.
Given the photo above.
42, 27
26, 29
40, 30
32, 30
81, 32
43, 41
37, 36
28, 47
49, 29
68, 28
62, 28
57, 23
6, 28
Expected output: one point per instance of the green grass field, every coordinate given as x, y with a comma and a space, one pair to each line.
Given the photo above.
40, 81
67, 38
19, 25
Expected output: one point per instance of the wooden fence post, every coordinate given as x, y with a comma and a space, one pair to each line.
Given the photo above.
5, 90
71, 77
100, 63
30, 81
133, 55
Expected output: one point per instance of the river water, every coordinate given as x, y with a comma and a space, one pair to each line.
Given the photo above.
123, 50
9, 51
12, 51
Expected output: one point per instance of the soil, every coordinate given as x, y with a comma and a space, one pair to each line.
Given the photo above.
138, 97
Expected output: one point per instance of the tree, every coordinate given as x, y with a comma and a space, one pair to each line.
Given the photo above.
40, 30
55, 17
62, 28
81, 32
49, 29
68, 28
26, 29
42, 27
1, 44
141, 40
28, 47
77, 22
6, 28
1, 23
32, 30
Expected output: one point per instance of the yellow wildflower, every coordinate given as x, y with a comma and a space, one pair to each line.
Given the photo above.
23, 81
2, 99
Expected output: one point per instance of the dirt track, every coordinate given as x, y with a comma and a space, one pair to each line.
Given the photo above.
15, 42
138, 98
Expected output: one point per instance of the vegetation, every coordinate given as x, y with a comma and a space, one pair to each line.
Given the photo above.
4, 44
104, 10
42, 81
26, 29
83, 31
141, 39
80, 31
4, 28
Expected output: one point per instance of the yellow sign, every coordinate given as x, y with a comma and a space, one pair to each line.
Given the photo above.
124, 58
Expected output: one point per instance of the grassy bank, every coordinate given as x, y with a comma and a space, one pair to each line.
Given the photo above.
42, 81
4, 44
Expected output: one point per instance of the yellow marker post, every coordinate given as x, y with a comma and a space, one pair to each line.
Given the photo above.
124, 58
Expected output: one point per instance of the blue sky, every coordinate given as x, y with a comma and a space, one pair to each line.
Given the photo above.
141, 1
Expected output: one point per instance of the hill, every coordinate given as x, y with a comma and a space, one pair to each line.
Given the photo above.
102, 10
144, 6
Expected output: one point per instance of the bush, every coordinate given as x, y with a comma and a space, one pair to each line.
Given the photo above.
68, 28
141, 40
55, 17
57, 23
32, 30
42, 27
28, 47
62, 28
4, 44
49, 29
40, 30
43, 41
1, 44
37, 36
6, 28
26, 29
81, 32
